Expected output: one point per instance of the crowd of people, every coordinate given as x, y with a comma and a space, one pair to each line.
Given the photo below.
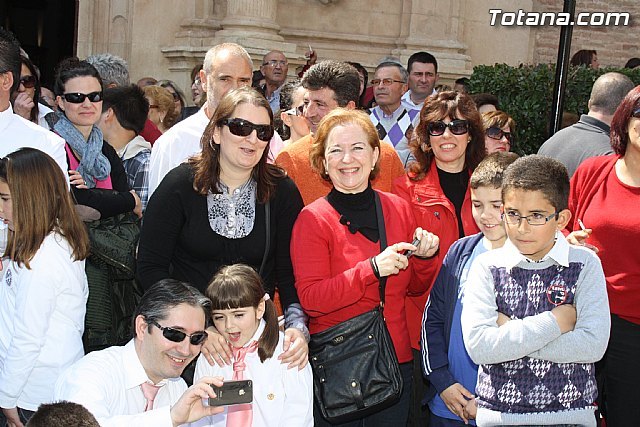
271, 215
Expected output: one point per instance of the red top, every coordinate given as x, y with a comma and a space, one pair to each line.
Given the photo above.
334, 278
436, 214
150, 132
610, 208
74, 163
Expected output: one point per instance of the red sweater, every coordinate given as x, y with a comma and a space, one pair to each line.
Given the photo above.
334, 278
610, 208
435, 213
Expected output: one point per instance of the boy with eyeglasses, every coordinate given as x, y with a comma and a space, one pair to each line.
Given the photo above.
535, 313
139, 384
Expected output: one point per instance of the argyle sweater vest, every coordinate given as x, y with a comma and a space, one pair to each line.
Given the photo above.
531, 385
393, 131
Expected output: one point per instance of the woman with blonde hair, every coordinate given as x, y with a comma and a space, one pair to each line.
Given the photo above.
44, 290
498, 131
162, 111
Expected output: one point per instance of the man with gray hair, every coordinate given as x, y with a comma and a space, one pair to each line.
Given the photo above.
113, 70
390, 117
139, 383
590, 136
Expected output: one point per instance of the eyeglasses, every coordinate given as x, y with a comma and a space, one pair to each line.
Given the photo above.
241, 127
497, 134
385, 82
78, 98
296, 111
28, 81
176, 335
457, 127
273, 63
153, 106
514, 218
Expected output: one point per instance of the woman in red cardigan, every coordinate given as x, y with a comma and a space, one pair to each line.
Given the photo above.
335, 246
605, 192
449, 144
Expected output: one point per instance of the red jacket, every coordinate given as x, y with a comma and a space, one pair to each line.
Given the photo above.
610, 208
334, 278
436, 214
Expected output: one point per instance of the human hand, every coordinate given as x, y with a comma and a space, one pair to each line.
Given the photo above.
391, 261
215, 349
23, 104
566, 316
456, 398
77, 180
579, 238
190, 408
138, 207
429, 243
296, 349
502, 319
13, 419
471, 409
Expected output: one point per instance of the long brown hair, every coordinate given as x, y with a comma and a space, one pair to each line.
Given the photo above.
41, 204
206, 165
456, 105
239, 286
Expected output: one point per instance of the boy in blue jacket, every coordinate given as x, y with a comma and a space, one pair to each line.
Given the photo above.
445, 361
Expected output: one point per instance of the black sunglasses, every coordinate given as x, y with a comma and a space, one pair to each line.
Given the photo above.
457, 127
176, 335
636, 113
28, 81
78, 98
497, 134
242, 127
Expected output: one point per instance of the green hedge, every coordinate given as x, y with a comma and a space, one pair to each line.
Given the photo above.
526, 92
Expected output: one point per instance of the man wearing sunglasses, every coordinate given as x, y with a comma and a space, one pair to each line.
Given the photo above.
15, 131
590, 136
391, 118
139, 384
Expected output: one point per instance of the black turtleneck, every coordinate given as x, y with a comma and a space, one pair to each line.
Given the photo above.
358, 211
454, 186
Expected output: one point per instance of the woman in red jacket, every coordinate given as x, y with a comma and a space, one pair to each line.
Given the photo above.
449, 144
605, 192
335, 246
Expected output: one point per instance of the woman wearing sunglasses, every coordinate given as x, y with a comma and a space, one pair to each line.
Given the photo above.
213, 210
498, 131
96, 174
449, 144
162, 110
43, 293
293, 125
26, 99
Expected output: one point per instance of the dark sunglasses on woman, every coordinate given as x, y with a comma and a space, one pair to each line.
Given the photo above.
28, 81
242, 127
176, 335
78, 98
457, 127
497, 134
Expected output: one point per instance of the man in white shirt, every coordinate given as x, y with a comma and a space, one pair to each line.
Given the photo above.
423, 76
226, 66
16, 132
139, 384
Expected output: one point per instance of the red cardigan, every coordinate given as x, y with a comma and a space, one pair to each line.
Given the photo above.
435, 213
334, 278
610, 208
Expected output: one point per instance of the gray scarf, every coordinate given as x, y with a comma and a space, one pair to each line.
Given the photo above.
93, 164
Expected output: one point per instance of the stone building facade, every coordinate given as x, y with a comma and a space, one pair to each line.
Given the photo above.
166, 38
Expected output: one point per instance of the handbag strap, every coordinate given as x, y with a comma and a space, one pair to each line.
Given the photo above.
267, 216
383, 244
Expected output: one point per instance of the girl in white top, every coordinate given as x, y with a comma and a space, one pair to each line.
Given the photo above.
43, 293
244, 314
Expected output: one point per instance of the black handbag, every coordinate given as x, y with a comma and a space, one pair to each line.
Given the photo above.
354, 363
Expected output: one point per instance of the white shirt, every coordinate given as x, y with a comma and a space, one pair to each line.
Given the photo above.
281, 396
42, 316
16, 132
43, 110
408, 103
107, 383
182, 141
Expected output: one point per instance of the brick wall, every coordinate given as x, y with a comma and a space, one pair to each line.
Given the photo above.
614, 44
